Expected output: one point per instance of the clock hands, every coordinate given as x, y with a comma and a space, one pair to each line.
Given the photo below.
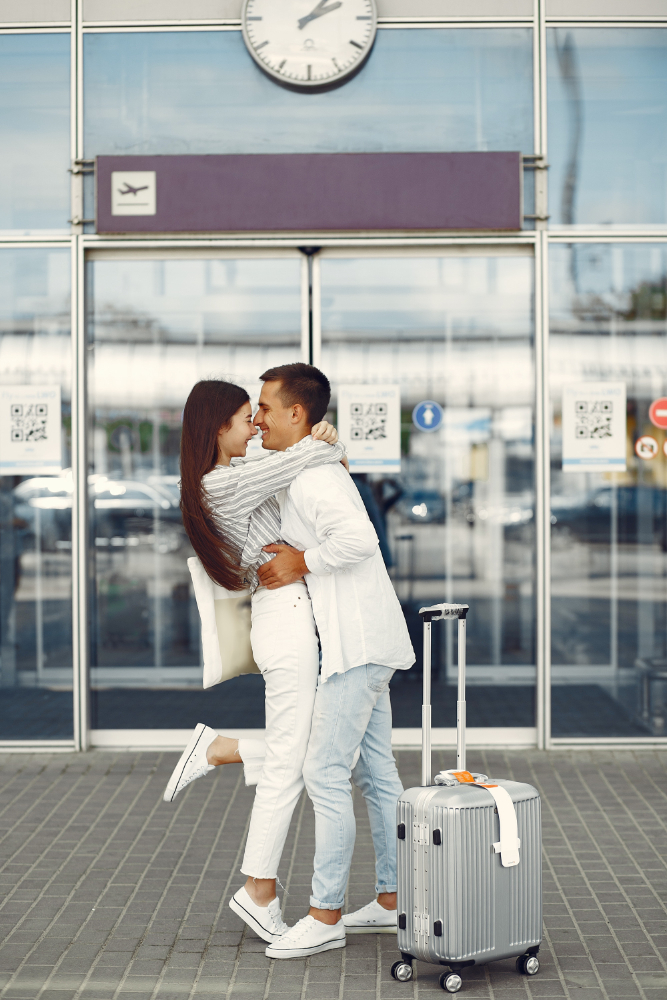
318, 11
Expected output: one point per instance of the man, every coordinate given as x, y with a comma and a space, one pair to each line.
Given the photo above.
364, 639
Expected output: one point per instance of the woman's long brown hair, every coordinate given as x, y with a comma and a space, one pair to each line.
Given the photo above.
210, 407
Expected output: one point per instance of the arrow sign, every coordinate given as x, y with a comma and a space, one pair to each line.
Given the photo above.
427, 415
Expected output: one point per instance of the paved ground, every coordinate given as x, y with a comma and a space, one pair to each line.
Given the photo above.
111, 894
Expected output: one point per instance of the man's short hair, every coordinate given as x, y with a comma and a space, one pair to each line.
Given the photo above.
302, 384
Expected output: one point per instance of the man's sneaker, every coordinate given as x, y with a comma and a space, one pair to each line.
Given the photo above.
371, 919
307, 937
193, 763
266, 921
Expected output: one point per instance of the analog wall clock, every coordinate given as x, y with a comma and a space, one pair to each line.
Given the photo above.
306, 44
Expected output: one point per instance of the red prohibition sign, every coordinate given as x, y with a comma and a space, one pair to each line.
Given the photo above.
646, 447
657, 412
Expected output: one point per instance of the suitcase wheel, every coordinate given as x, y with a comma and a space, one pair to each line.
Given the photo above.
402, 971
451, 982
528, 965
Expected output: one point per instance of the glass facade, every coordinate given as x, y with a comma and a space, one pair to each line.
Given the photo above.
34, 131
458, 522
565, 572
607, 139
155, 327
198, 92
35, 508
609, 529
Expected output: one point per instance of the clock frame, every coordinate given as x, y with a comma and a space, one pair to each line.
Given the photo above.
306, 45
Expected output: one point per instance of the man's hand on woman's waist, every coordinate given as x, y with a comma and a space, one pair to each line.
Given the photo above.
288, 566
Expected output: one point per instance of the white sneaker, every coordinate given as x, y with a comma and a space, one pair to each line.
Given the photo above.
266, 921
371, 919
193, 763
308, 937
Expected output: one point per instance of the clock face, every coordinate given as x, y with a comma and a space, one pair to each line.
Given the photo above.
308, 44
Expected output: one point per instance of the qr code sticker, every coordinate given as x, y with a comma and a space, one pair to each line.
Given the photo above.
28, 421
368, 421
593, 419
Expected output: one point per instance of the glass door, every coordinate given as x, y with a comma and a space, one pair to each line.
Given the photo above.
156, 325
36, 487
609, 524
456, 522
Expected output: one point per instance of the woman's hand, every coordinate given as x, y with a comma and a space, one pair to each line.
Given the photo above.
324, 431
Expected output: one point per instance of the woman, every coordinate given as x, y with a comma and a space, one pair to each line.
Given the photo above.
230, 513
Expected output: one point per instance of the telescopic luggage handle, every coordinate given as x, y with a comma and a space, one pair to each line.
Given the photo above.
439, 612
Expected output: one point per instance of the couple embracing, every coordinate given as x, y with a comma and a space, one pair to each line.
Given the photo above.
327, 635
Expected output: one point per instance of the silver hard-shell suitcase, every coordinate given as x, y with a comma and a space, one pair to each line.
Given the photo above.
469, 856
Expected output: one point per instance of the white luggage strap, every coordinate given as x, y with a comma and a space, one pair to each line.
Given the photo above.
509, 843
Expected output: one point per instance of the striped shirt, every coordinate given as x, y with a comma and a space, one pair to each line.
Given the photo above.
241, 497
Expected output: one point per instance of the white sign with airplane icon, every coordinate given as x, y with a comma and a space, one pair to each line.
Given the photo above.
133, 192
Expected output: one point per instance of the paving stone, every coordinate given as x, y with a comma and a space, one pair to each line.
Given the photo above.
148, 900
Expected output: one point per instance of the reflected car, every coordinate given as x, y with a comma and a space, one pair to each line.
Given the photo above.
514, 511
422, 507
43, 506
124, 510
641, 515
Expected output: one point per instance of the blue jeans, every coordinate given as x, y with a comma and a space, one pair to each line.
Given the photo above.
351, 710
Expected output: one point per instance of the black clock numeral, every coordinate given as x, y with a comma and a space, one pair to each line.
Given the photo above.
282, 64
310, 73
356, 44
260, 46
261, 19
360, 17
335, 64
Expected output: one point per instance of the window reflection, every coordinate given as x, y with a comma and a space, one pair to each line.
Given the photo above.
158, 326
607, 90
36, 510
200, 92
609, 529
34, 131
457, 524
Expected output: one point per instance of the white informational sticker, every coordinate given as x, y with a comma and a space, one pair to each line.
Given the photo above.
369, 425
133, 192
30, 430
594, 427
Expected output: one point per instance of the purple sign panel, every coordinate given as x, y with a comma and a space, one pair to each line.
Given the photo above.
306, 192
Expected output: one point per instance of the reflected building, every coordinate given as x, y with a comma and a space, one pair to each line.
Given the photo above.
565, 572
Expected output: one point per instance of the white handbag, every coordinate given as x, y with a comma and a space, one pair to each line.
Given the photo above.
225, 627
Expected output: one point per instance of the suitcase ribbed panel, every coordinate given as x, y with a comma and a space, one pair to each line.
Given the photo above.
469, 883
525, 902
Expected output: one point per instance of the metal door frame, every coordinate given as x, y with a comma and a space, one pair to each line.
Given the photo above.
94, 247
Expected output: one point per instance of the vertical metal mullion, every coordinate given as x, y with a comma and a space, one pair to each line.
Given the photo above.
316, 306
542, 407
79, 502
539, 77
79, 416
305, 309
543, 493
540, 112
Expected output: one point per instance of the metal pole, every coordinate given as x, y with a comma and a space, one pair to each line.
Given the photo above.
426, 708
542, 495
461, 703
39, 597
80, 556
158, 575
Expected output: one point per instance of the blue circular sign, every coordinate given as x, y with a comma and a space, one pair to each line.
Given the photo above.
427, 415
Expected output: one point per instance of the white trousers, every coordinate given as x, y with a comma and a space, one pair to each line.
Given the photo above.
286, 650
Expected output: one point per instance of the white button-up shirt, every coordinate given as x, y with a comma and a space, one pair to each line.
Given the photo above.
356, 610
